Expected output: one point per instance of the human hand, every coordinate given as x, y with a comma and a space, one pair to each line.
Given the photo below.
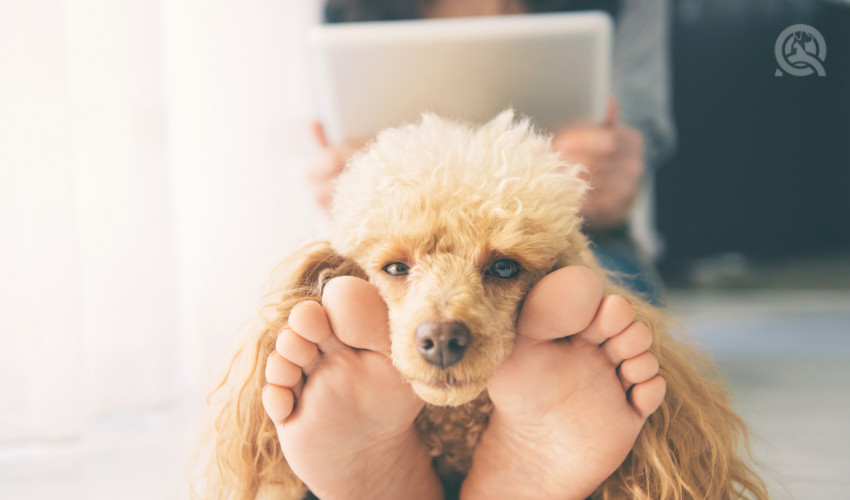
330, 164
613, 154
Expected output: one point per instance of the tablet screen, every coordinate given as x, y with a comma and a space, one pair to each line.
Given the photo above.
554, 68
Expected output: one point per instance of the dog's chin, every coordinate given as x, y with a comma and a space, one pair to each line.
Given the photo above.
442, 394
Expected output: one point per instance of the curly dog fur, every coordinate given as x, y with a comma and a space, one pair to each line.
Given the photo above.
450, 198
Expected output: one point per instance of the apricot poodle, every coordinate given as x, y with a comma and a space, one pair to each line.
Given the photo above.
454, 204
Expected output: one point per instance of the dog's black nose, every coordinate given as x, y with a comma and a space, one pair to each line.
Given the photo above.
442, 343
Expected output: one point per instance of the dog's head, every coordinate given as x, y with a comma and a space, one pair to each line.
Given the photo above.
454, 224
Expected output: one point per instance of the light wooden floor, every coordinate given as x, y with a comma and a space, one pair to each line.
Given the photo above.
785, 354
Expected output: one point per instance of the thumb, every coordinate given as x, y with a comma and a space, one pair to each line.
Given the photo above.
318, 131
612, 114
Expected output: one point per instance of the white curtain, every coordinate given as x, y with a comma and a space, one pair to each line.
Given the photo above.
152, 161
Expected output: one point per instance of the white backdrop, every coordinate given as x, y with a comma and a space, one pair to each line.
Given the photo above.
152, 160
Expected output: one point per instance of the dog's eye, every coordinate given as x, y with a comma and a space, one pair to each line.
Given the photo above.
396, 269
503, 268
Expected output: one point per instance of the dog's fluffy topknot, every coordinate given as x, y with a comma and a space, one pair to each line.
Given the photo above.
505, 168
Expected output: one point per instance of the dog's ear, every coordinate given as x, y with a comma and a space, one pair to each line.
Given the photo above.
302, 276
240, 445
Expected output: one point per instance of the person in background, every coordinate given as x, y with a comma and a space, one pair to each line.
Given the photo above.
620, 154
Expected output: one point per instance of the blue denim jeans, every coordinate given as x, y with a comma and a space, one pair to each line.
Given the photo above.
616, 252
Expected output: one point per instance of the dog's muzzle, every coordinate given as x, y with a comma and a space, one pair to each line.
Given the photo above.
442, 343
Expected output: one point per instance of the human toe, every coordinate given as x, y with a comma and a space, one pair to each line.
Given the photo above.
308, 319
563, 303
647, 396
282, 372
278, 402
296, 348
614, 315
357, 314
632, 341
638, 369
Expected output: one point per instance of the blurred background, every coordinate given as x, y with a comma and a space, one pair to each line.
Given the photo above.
152, 171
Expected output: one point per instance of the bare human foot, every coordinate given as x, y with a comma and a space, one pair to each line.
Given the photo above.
344, 416
571, 398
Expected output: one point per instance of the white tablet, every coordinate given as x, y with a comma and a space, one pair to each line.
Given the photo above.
372, 75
